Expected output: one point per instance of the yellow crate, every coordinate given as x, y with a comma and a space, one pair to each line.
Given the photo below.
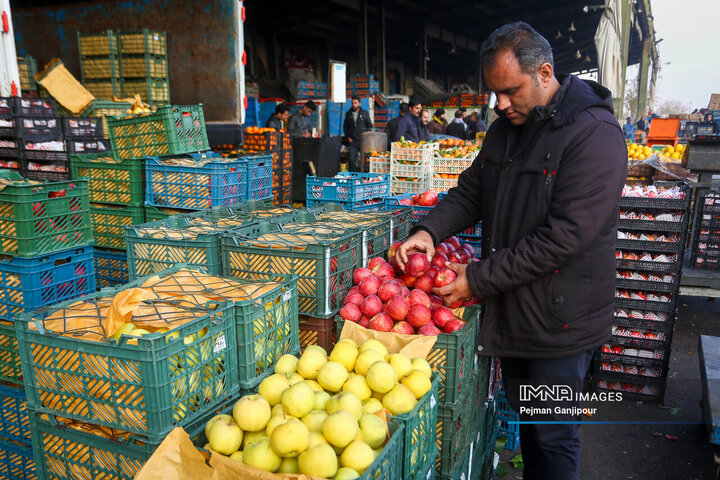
145, 41
144, 66
100, 67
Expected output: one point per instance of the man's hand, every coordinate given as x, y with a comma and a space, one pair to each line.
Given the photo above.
307, 134
420, 242
457, 290
350, 140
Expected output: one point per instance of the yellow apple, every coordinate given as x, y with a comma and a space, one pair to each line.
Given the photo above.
294, 378
358, 456
372, 344
321, 399
365, 359
345, 473
372, 405
316, 438
340, 429
124, 329
298, 400
332, 376
290, 439
272, 387
345, 401
289, 465
316, 387
277, 410
216, 418
399, 400
357, 385
251, 436
286, 364
422, 365
418, 383
315, 347
400, 363
251, 413
275, 422
314, 419
237, 456
345, 353
319, 461
259, 454
224, 435
381, 377
309, 364
373, 429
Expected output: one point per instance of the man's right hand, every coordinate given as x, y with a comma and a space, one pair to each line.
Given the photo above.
421, 241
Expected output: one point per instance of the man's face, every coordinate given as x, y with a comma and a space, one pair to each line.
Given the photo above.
425, 117
443, 116
284, 116
355, 104
416, 110
517, 93
305, 111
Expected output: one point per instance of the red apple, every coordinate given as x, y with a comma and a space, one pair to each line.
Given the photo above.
439, 259
385, 278
351, 312
393, 248
435, 302
396, 268
405, 291
455, 257
359, 274
354, 297
425, 283
428, 199
381, 322
454, 326
419, 315
409, 280
417, 264
454, 305
384, 270
354, 289
606, 349
371, 306
374, 263
418, 297
432, 271
403, 327
415, 199
470, 249
364, 321
398, 308
430, 330
369, 285
442, 248
442, 316
464, 255
453, 241
445, 277
406, 201
471, 302
388, 290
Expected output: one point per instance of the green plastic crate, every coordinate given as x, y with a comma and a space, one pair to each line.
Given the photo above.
155, 91
103, 90
419, 438
153, 214
454, 435
27, 69
111, 180
100, 68
43, 218
461, 469
109, 222
401, 223
10, 365
97, 44
267, 327
171, 130
106, 108
162, 381
149, 41
140, 66
376, 230
324, 264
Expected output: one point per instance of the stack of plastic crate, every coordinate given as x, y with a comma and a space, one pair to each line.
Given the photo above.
279, 145
411, 167
144, 65
27, 68
357, 192
100, 64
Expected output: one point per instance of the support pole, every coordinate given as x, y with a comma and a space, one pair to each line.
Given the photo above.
625, 28
383, 54
642, 90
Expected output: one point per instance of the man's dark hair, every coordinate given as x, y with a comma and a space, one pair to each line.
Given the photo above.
412, 104
281, 108
462, 109
404, 108
311, 105
355, 97
529, 47
458, 114
439, 112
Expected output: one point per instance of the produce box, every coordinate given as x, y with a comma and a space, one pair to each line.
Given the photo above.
84, 128
460, 468
419, 443
196, 181
263, 141
507, 419
372, 205
324, 262
153, 66
144, 385
27, 69
317, 331
405, 200
16, 461
259, 177
104, 90
10, 366
454, 435
161, 213
83, 146
101, 43
347, 187
379, 164
142, 41
109, 222
14, 422
37, 129
111, 180
376, 230
43, 218
154, 91
100, 67
34, 107
30, 283
171, 130
443, 183
111, 268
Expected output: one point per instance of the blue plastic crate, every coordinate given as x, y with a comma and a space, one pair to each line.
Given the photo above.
29, 283
418, 211
14, 421
371, 205
252, 113
111, 268
348, 187
507, 419
16, 462
213, 181
259, 177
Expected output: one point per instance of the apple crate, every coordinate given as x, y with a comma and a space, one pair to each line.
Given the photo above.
43, 218
400, 222
30, 283
153, 214
16, 462
460, 470
14, 423
259, 177
111, 268
83, 128
454, 435
419, 437
10, 365
161, 381
376, 230
195, 181
109, 221
323, 262
317, 331
111, 180
348, 187
171, 130
418, 211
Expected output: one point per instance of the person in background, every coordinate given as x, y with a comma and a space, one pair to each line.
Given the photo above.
438, 125
458, 127
409, 125
629, 130
357, 121
278, 120
470, 122
424, 121
391, 127
480, 125
300, 124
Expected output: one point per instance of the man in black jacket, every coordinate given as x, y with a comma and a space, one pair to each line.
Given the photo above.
357, 121
457, 127
391, 127
278, 120
546, 186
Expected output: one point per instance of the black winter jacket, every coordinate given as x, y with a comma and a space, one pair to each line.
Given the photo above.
353, 129
547, 194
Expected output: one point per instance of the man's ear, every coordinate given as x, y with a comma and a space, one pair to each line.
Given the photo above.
545, 74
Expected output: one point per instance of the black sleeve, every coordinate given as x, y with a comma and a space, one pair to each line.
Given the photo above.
346, 125
585, 200
368, 122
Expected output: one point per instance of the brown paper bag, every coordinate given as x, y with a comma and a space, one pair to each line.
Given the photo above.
410, 346
176, 459
64, 87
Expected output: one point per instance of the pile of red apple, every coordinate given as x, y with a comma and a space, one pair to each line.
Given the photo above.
388, 300
425, 199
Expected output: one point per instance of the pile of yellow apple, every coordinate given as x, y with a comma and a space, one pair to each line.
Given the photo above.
673, 154
639, 152
317, 415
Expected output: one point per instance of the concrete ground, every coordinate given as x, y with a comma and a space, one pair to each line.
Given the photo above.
637, 451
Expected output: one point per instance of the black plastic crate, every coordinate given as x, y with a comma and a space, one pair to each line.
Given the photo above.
637, 361
644, 343
667, 307
644, 323
34, 107
38, 129
8, 127
77, 127
657, 398
653, 225
77, 146
30, 153
646, 285
636, 379
7, 106
648, 266
9, 151
644, 245
46, 175
670, 204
